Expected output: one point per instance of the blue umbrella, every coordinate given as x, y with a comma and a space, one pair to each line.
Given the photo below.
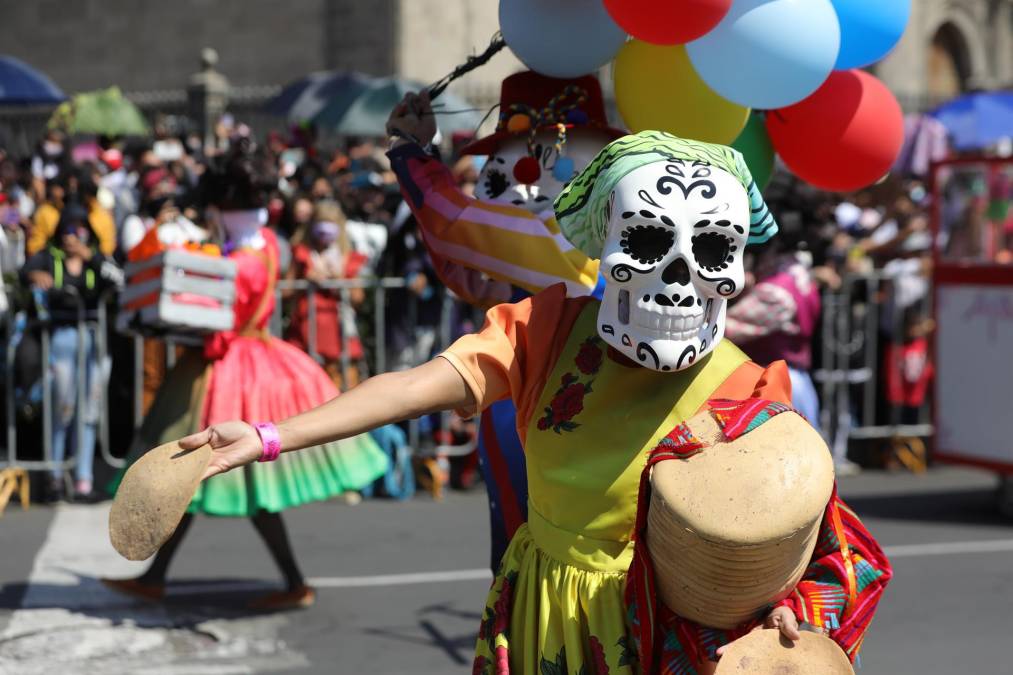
20, 84
977, 120
305, 99
367, 114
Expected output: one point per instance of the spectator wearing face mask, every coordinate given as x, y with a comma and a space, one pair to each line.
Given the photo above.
71, 274
158, 210
320, 253
49, 161
47, 216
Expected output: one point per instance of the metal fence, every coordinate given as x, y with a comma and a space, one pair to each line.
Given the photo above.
866, 325
862, 321
97, 323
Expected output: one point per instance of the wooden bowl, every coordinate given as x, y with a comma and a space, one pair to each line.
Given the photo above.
765, 652
732, 529
153, 497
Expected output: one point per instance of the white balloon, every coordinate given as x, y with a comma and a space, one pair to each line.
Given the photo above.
560, 38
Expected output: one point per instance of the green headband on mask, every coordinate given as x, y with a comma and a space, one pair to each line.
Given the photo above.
581, 208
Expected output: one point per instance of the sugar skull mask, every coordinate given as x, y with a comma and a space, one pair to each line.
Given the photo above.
672, 258
497, 182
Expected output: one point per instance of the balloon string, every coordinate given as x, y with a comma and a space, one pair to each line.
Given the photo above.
495, 45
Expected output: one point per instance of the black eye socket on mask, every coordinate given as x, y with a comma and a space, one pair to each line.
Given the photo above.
647, 244
496, 183
713, 251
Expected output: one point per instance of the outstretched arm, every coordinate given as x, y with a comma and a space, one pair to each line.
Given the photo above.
387, 398
470, 239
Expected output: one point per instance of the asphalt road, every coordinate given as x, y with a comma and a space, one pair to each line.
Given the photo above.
401, 585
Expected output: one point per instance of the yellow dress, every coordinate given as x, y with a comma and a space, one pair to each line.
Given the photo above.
556, 605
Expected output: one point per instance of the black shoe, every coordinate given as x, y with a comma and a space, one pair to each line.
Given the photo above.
53, 492
93, 497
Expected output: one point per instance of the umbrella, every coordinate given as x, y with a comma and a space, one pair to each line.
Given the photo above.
103, 112
367, 114
977, 120
20, 84
304, 99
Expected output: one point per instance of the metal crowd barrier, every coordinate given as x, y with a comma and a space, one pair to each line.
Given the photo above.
859, 321
98, 322
85, 322
856, 320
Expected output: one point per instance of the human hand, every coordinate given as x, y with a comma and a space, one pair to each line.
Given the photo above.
780, 618
413, 118
41, 280
233, 444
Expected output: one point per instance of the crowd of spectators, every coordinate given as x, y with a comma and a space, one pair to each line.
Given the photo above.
74, 210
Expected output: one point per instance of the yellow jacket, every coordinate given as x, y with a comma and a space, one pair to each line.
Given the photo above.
47, 217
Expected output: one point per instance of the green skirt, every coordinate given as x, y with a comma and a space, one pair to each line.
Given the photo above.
296, 478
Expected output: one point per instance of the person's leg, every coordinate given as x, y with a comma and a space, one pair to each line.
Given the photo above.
92, 405
156, 573
151, 584
271, 529
63, 369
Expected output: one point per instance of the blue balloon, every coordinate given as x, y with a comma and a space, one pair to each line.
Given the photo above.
768, 54
560, 38
869, 29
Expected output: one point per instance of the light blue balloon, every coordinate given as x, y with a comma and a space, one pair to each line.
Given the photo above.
560, 38
768, 54
869, 29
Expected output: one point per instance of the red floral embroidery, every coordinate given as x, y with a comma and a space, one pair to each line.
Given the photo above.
589, 358
598, 664
502, 607
568, 401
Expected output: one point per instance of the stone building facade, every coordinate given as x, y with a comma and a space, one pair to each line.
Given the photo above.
143, 45
951, 46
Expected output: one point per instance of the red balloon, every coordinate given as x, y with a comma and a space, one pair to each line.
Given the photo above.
667, 22
844, 136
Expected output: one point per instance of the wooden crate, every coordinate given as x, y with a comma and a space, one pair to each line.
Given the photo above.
178, 293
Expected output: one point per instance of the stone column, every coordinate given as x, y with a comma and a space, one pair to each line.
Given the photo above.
208, 96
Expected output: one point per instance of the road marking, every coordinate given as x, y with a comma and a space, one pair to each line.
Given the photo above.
70, 623
448, 576
949, 548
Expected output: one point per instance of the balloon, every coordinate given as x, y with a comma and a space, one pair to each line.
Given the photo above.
869, 29
667, 23
845, 136
560, 38
769, 53
657, 88
755, 146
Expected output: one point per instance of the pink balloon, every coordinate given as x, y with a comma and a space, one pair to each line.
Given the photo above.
667, 22
844, 136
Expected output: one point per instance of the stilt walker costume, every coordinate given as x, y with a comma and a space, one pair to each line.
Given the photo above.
598, 385
504, 243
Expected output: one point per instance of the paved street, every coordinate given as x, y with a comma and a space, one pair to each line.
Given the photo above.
401, 587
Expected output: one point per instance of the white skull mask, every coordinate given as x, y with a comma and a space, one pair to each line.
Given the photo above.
673, 256
496, 181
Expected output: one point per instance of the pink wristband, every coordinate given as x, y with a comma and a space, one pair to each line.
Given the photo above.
271, 439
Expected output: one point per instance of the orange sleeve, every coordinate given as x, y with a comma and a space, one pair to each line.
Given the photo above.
750, 380
515, 351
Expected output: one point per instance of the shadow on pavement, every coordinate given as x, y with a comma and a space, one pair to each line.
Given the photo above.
966, 507
459, 648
